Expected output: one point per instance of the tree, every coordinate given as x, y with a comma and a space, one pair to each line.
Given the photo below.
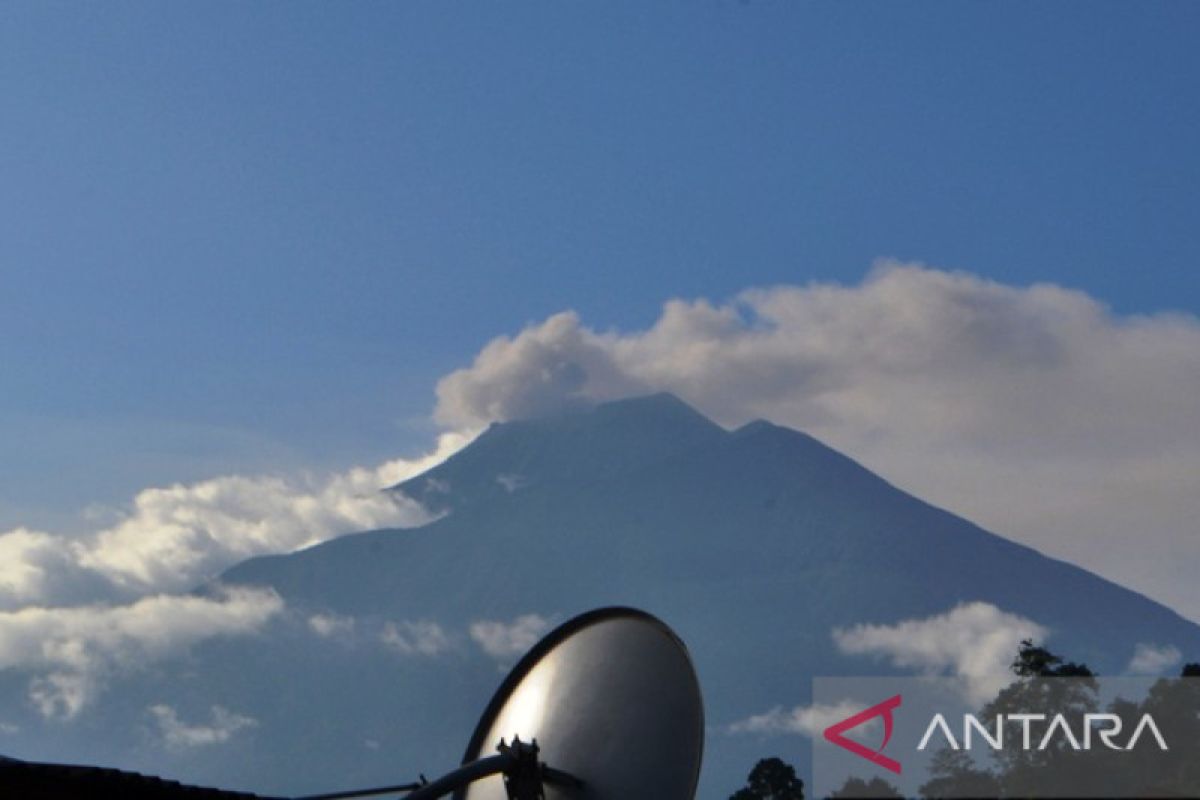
1042, 690
855, 788
1038, 662
1174, 705
771, 779
953, 773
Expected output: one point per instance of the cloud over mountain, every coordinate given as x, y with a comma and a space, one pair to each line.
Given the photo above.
1035, 411
1151, 660
179, 535
173, 538
974, 641
75, 612
70, 652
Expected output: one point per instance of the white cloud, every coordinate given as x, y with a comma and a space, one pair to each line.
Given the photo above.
420, 638
77, 612
173, 538
809, 721
183, 534
507, 639
1149, 659
180, 535
401, 469
71, 651
974, 641
1033, 410
62, 695
31, 564
177, 735
329, 626
545, 369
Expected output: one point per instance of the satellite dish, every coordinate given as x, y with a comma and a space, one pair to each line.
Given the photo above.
612, 700
606, 707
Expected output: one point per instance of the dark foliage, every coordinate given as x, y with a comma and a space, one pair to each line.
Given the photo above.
855, 788
771, 779
1144, 772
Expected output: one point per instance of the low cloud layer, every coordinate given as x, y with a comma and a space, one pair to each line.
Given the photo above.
974, 641
222, 725
173, 538
808, 721
76, 613
1150, 659
506, 640
71, 652
498, 639
1034, 411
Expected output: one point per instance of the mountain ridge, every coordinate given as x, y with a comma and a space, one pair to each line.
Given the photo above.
754, 544
798, 460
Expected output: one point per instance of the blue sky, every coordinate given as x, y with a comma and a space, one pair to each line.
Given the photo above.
251, 237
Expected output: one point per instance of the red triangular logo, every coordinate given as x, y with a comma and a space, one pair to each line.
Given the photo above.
834, 733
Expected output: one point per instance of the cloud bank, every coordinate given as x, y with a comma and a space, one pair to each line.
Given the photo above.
1149, 659
498, 639
974, 641
71, 652
76, 613
175, 537
1034, 411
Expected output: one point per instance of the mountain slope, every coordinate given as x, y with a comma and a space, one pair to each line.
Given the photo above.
754, 544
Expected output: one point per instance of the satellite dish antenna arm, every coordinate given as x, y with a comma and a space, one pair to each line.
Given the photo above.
466, 774
407, 787
524, 777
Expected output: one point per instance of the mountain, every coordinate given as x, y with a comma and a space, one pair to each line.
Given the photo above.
754, 544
